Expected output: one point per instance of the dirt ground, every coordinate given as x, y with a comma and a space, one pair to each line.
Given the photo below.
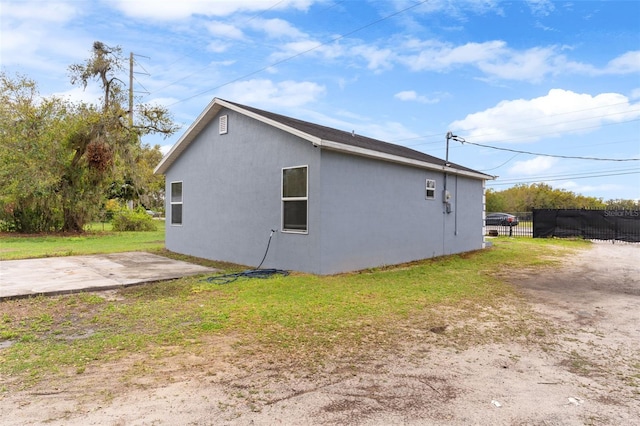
581, 366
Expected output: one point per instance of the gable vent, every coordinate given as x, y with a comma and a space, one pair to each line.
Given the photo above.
223, 125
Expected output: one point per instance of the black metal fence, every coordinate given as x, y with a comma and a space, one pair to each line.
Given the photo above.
521, 227
621, 225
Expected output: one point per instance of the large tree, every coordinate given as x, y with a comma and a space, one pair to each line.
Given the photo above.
32, 157
77, 149
107, 148
524, 198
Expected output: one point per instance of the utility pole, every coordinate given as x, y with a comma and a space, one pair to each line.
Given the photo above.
131, 90
134, 136
131, 73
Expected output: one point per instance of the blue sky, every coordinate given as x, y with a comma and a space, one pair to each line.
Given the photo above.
555, 78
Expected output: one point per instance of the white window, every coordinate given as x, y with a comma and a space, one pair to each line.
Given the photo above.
176, 203
223, 124
431, 189
294, 199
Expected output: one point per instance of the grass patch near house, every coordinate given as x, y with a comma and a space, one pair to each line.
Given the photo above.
300, 318
94, 240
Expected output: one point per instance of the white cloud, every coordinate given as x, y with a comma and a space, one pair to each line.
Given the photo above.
378, 59
222, 29
585, 189
165, 148
438, 56
162, 101
533, 167
529, 65
218, 47
266, 93
543, 27
457, 9
541, 7
558, 112
31, 30
624, 64
50, 11
90, 95
309, 47
410, 95
276, 28
497, 60
494, 58
180, 9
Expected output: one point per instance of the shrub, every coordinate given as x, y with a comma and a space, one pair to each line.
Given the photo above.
111, 208
133, 220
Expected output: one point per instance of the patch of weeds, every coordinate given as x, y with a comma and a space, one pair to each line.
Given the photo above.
210, 326
579, 364
594, 420
28, 338
42, 323
91, 298
107, 395
8, 334
539, 332
223, 406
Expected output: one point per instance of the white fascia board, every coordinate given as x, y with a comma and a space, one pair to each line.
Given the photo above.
354, 150
314, 140
206, 116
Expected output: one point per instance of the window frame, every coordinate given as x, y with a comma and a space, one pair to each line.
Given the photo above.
430, 191
176, 203
284, 200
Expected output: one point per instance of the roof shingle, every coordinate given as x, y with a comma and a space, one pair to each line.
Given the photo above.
339, 140
352, 139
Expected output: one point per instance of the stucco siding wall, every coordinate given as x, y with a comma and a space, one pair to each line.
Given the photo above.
232, 195
464, 225
361, 212
375, 213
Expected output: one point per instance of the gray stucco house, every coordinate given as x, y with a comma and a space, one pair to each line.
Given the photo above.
338, 201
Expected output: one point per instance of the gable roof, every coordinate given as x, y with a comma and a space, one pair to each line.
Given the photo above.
320, 136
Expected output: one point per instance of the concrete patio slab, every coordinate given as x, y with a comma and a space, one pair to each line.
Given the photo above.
57, 275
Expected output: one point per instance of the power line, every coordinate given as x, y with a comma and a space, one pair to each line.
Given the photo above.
273, 64
575, 174
534, 180
440, 135
260, 13
497, 167
551, 155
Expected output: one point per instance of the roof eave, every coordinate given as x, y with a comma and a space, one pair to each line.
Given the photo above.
364, 152
187, 137
204, 119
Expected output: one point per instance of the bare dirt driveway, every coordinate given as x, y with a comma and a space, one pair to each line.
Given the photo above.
579, 366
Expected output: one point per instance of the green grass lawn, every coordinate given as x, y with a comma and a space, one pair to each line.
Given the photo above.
98, 238
299, 317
